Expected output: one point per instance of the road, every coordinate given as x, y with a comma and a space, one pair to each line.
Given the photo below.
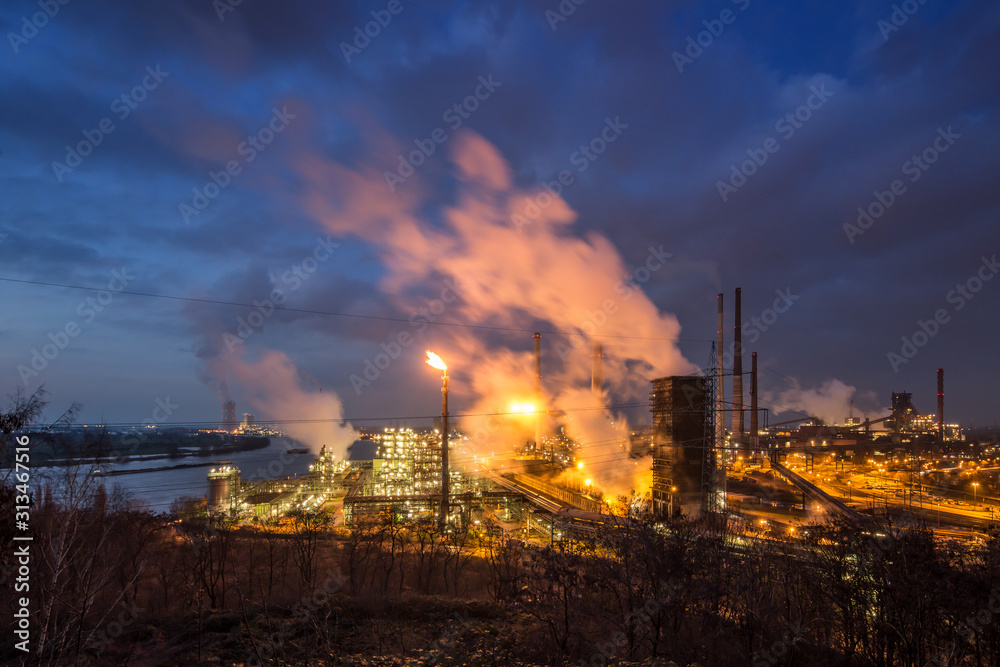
941, 513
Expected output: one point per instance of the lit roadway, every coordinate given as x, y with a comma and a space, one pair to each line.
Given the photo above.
536, 498
824, 477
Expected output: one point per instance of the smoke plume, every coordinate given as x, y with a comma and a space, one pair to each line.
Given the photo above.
507, 274
829, 402
269, 382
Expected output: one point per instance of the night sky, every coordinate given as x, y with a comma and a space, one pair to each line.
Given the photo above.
544, 159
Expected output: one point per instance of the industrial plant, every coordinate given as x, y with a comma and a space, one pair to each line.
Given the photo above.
544, 488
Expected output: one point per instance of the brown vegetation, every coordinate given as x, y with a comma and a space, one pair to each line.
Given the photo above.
113, 584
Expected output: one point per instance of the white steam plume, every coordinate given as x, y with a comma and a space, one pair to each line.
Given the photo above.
506, 276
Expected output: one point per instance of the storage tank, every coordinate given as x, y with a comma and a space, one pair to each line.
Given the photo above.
222, 486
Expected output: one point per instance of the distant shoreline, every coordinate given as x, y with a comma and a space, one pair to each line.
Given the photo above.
111, 473
188, 450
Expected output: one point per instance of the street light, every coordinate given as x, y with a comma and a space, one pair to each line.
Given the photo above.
975, 487
848, 492
435, 361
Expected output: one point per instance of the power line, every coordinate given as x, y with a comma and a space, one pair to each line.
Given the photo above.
346, 420
307, 311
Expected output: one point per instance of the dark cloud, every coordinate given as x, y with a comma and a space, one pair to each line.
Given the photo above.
656, 184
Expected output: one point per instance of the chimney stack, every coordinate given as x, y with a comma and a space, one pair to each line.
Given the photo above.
753, 400
538, 391
738, 371
940, 404
720, 389
597, 376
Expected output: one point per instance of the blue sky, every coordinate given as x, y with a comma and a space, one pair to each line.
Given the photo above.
888, 94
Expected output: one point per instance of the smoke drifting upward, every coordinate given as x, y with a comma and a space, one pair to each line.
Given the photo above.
604, 454
208, 345
274, 387
516, 262
830, 401
270, 383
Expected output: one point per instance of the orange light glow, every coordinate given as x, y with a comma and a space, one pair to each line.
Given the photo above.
522, 408
435, 361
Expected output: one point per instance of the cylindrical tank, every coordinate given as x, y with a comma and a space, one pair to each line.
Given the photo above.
222, 484
218, 491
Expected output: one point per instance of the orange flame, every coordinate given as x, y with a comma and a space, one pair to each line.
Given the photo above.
523, 408
435, 361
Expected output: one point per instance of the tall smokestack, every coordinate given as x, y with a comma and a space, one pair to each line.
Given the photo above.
720, 389
941, 404
738, 370
229, 416
445, 473
538, 391
753, 400
597, 375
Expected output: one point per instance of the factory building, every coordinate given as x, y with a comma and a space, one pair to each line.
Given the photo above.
405, 477
683, 458
408, 462
906, 422
327, 479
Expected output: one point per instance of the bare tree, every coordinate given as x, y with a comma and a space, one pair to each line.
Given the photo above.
210, 542
555, 588
309, 528
425, 547
504, 556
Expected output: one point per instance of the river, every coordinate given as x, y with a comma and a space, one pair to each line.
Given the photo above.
160, 488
